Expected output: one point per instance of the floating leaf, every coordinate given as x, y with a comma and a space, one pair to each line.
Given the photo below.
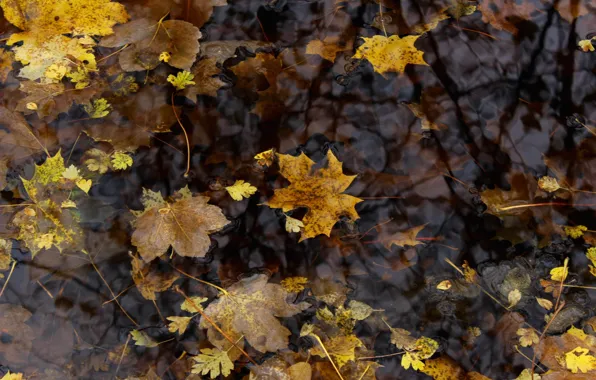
249, 308
240, 190
213, 362
393, 53
527, 337
400, 238
586, 45
321, 191
359, 310
121, 161
179, 324
327, 48
559, 273
579, 360
265, 158
148, 283
184, 224
98, 108
206, 74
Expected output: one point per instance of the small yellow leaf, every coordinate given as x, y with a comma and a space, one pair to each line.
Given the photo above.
340, 348
544, 303
181, 80
12, 376
241, 189
142, 339
444, 285
513, 297
98, 108
549, 184
121, 161
179, 324
408, 360
213, 362
559, 273
293, 225
45, 241
526, 374
579, 360
294, 284
265, 158
469, 273
591, 255
586, 45
31, 106
193, 304
359, 310
527, 337
68, 204
165, 56
84, 184
576, 231
392, 53
579, 334
71, 173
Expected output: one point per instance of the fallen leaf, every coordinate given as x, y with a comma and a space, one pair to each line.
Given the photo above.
443, 368
240, 190
184, 224
400, 238
16, 136
178, 324
142, 339
497, 13
98, 108
294, 284
444, 285
206, 74
321, 191
121, 161
248, 308
327, 48
340, 348
579, 360
194, 305
546, 304
265, 158
514, 297
293, 225
572, 9
526, 374
6, 61
148, 282
19, 336
213, 362
390, 54
181, 79
527, 337
222, 50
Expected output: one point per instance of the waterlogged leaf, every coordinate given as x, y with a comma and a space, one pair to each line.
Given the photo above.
443, 368
50, 99
142, 339
84, 184
400, 238
206, 74
148, 282
327, 48
98, 108
546, 304
121, 161
255, 73
293, 225
527, 337
278, 368
578, 359
179, 324
193, 304
294, 284
501, 14
572, 9
249, 309
359, 310
181, 80
240, 190
12, 320
321, 191
97, 160
340, 348
408, 360
514, 297
150, 39
213, 362
184, 224
71, 173
390, 54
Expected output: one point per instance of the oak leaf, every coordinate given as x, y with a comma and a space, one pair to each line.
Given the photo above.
249, 308
320, 190
213, 362
390, 54
185, 224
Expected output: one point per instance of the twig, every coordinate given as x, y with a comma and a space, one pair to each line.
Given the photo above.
119, 294
46, 290
14, 264
225, 292
122, 355
364, 373
381, 17
382, 356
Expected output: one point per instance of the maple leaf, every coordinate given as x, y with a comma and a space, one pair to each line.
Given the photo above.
575, 231
181, 80
97, 160
121, 161
148, 283
193, 304
549, 184
579, 360
240, 190
248, 308
207, 77
526, 374
278, 368
327, 48
184, 224
340, 348
148, 110
527, 337
179, 324
149, 40
213, 362
46, 223
45, 48
98, 108
400, 238
293, 225
390, 54
586, 45
319, 190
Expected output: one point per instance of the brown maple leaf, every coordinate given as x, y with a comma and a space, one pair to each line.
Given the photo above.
498, 13
327, 48
148, 283
206, 78
185, 224
320, 190
256, 73
400, 238
17, 138
249, 308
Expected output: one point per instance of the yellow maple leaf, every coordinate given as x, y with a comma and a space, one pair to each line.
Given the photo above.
402, 238
586, 45
408, 359
320, 190
121, 161
98, 108
179, 324
294, 284
193, 304
527, 337
213, 362
390, 54
526, 374
575, 231
181, 80
240, 190
293, 225
579, 360
265, 158
340, 348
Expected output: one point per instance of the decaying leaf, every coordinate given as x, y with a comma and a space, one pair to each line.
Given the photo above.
319, 190
549, 184
249, 309
5, 257
390, 54
240, 190
400, 238
294, 284
19, 335
98, 108
278, 368
340, 348
185, 224
327, 48
206, 75
575, 231
213, 362
121, 161
16, 136
148, 283
500, 13
6, 61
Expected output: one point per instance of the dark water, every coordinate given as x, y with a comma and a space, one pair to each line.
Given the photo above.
505, 105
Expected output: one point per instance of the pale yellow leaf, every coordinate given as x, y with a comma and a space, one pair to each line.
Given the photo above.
240, 190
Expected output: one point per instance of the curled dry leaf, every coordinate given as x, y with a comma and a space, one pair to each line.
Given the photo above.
320, 190
249, 309
185, 224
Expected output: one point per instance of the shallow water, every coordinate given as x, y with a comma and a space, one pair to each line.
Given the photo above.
510, 108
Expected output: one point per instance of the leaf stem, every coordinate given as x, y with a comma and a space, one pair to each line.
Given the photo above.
185, 137
225, 292
112, 293
328, 356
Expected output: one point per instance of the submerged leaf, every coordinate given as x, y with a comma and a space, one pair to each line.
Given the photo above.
294, 284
